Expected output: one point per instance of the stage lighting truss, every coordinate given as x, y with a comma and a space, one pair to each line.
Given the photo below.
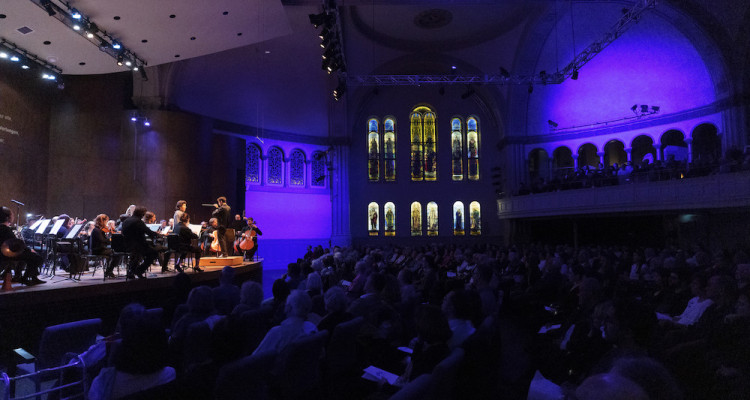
9, 51
84, 26
332, 43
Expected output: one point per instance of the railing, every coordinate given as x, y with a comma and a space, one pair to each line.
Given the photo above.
76, 389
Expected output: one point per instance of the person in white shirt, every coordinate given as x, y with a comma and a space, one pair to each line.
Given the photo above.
298, 305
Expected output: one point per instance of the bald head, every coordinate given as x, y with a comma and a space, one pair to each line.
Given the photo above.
609, 387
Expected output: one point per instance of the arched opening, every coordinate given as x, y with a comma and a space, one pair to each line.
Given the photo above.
562, 160
614, 153
587, 156
643, 150
390, 219
706, 144
538, 164
373, 218
673, 146
459, 218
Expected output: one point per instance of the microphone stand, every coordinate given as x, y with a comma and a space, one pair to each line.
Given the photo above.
18, 211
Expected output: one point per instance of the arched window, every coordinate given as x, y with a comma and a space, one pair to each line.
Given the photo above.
706, 143
423, 145
457, 159
318, 172
389, 147
562, 161
373, 150
252, 164
472, 143
642, 149
275, 166
432, 219
458, 218
297, 168
475, 218
587, 156
373, 218
614, 153
390, 219
538, 164
416, 219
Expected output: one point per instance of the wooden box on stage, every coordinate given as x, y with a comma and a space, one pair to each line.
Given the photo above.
220, 262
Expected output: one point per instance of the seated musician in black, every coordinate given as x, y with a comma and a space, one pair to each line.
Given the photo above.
99, 243
207, 236
17, 251
135, 231
186, 237
251, 227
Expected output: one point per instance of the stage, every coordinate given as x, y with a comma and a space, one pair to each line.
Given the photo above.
26, 310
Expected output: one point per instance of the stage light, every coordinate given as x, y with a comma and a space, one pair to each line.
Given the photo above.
324, 33
574, 76
116, 45
552, 123
76, 27
120, 59
133, 119
143, 73
635, 107
135, 68
146, 123
655, 109
47, 4
319, 19
338, 93
325, 42
25, 66
75, 14
14, 58
644, 108
3, 54
128, 63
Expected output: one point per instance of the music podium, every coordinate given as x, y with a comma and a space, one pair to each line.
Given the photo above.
220, 262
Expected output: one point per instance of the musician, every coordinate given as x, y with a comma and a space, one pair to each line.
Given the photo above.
20, 252
187, 236
179, 208
135, 231
98, 244
251, 227
123, 217
223, 218
111, 227
206, 238
149, 218
239, 223
66, 225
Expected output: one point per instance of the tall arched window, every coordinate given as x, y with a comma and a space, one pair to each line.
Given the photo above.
432, 219
297, 168
373, 219
472, 139
318, 169
373, 150
458, 218
275, 166
475, 218
423, 145
252, 164
457, 158
390, 219
416, 219
389, 149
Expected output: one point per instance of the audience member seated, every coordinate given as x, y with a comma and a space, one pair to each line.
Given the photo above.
298, 305
227, 294
335, 303
251, 298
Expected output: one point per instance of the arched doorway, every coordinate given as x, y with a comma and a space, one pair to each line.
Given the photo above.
642, 150
706, 143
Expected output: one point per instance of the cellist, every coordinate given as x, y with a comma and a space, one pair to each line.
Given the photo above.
253, 231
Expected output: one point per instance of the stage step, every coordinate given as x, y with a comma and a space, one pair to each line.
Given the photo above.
220, 262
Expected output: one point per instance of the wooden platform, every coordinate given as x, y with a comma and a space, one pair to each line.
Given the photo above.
221, 262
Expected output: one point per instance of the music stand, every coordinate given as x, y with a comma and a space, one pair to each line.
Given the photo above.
41, 226
35, 225
73, 233
39, 237
196, 228
153, 227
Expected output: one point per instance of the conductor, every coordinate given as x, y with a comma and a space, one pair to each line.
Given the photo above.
222, 213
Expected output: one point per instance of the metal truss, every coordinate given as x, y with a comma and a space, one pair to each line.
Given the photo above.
629, 16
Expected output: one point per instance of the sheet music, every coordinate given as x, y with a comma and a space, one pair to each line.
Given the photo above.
56, 227
153, 227
74, 231
196, 228
166, 230
42, 226
35, 225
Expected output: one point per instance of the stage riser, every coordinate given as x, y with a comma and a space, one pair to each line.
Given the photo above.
220, 262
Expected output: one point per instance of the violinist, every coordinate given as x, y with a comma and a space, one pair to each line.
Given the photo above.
110, 228
16, 251
253, 231
98, 244
186, 243
179, 208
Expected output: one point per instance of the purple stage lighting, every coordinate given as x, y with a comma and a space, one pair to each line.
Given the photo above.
146, 123
133, 119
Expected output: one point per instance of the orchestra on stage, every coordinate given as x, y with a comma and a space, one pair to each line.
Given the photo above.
130, 243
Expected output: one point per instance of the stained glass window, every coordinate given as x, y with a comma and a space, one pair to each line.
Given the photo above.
389, 149
373, 222
457, 159
373, 150
390, 219
416, 219
472, 139
275, 166
318, 177
252, 164
430, 146
476, 218
432, 219
458, 218
297, 168
417, 168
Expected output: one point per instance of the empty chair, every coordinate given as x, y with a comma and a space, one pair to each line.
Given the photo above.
297, 369
246, 378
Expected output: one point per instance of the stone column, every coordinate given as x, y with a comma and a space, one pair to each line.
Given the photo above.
659, 155
689, 142
575, 161
629, 151
601, 156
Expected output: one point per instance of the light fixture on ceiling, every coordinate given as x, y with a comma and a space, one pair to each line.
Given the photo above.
340, 89
574, 76
120, 59
320, 19
116, 45
27, 60
47, 5
75, 14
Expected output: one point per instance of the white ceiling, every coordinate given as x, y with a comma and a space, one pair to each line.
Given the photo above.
144, 27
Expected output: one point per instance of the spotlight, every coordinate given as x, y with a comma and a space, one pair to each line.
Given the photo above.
321, 19
143, 73
103, 45
47, 4
338, 93
14, 58
135, 68
574, 76
146, 123
324, 33
133, 119
329, 53
635, 107
326, 40
644, 108
3, 54
76, 27
116, 45
25, 66
655, 109
128, 63
75, 14
120, 59
552, 123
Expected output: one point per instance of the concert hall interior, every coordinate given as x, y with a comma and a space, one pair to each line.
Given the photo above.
405, 123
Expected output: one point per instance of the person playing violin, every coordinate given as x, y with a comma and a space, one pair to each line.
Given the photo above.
98, 244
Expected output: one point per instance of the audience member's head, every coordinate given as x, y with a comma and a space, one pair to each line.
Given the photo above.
375, 283
314, 283
280, 290
251, 294
336, 300
298, 304
201, 300
609, 387
227, 276
432, 326
143, 349
650, 375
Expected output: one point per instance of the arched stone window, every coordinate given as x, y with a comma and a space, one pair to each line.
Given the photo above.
373, 150
475, 218
706, 144
432, 219
373, 219
563, 161
642, 149
390, 219
457, 159
459, 219
587, 156
297, 168
538, 164
252, 164
389, 148
472, 146
423, 144
318, 169
614, 152
275, 166
416, 219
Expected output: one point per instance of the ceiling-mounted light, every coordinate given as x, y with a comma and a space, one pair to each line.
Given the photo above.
120, 59
133, 119
91, 30
135, 68
47, 4
146, 123
14, 58
319, 19
3, 54
25, 66
75, 14
116, 45
324, 33
575, 75
128, 63
77, 27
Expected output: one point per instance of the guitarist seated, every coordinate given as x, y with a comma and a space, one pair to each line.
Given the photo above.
182, 230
